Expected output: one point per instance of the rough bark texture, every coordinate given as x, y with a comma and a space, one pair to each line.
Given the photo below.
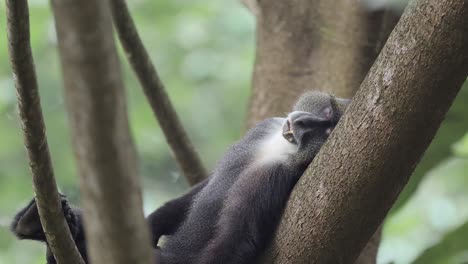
47, 197
105, 153
344, 195
177, 138
312, 45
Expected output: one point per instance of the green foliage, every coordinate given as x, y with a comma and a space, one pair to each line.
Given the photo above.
461, 149
452, 249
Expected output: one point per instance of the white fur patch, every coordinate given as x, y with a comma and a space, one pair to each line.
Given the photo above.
275, 148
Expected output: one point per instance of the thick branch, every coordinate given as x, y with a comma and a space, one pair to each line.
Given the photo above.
353, 182
178, 140
53, 222
105, 153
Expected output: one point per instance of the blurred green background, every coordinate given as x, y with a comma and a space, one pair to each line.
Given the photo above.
204, 51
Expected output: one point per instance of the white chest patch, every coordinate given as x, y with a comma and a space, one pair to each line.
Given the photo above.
275, 148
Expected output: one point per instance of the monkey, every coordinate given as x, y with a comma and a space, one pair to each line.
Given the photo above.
230, 217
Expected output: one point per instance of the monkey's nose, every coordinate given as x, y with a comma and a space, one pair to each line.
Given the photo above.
288, 133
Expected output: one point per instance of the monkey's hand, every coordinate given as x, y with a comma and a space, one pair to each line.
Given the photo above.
27, 225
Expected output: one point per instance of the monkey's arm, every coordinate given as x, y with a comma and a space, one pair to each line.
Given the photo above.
250, 215
166, 219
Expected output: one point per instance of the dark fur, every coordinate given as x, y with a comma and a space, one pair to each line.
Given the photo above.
232, 216
26, 225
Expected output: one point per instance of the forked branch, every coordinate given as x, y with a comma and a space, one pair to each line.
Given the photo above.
354, 180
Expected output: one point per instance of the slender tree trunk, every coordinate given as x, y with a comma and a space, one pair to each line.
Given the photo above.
106, 158
185, 154
361, 169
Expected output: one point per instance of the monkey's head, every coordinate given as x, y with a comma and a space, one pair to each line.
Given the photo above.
313, 118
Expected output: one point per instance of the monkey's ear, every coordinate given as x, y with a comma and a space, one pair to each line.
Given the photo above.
27, 224
341, 104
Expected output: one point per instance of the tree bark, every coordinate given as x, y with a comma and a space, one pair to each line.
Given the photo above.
105, 153
185, 154
361, 169
312, 45
49, 207
320, 45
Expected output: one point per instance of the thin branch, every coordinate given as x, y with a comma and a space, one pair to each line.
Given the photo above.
116, 231
49, 206
177, 138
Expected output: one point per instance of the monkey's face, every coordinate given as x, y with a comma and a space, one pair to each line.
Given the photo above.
313, 118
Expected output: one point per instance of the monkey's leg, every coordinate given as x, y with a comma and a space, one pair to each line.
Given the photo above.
167, 218
250, 215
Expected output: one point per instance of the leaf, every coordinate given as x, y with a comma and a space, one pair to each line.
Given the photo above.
461, 148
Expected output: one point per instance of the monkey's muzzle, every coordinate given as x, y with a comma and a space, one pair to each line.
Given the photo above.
288, 132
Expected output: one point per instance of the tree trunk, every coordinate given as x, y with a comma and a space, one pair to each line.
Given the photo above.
320, 45
345, 194
106, 158
312, 45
